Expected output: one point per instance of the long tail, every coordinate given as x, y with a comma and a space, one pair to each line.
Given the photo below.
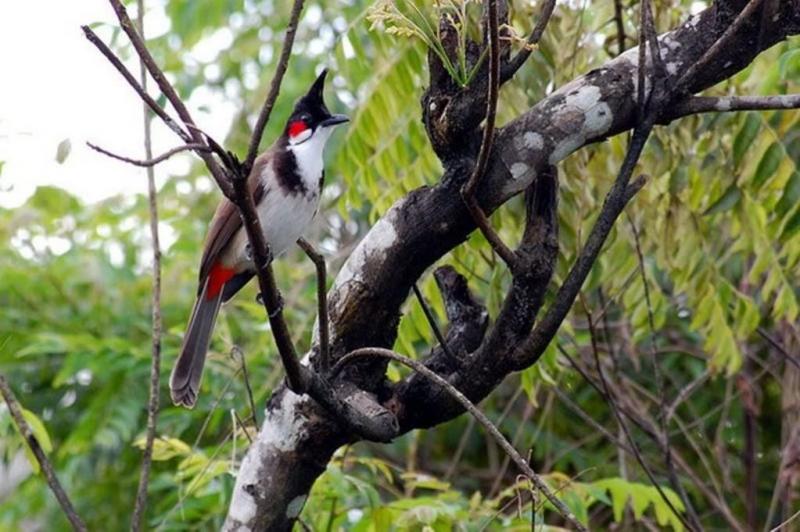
184, 383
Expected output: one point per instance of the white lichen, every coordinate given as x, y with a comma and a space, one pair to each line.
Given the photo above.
672, 68
597, 119
283, 428
533, 140
380, 238
518, 170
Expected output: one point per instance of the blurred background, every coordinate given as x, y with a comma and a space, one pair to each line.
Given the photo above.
718, 225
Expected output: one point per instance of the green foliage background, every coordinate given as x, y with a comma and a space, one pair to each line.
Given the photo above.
719, 222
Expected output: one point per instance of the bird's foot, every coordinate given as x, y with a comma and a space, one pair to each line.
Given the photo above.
248, 251
278, 309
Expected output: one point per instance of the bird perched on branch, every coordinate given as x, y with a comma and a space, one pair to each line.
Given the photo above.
286, 184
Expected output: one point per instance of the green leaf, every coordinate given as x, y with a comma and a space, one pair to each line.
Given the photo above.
745, 137
789, 64
726, 202
768, 164
40, 433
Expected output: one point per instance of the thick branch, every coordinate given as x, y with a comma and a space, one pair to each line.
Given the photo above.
501, 440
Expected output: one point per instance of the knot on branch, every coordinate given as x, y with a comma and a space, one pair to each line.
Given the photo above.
452, 110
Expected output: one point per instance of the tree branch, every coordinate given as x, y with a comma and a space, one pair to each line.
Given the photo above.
501, 440
44, 463
151, 161
275, 85
511, 68
155, 364
169, 92
718, 104
151, 103
468, 191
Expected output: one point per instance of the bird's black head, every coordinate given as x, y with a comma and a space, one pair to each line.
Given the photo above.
310, 114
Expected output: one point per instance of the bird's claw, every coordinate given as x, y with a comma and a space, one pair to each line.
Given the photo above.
278, 309
248, 251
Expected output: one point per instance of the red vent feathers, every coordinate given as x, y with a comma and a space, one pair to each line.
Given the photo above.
217, 278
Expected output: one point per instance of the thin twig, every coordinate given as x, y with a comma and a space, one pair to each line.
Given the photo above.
151, 161
778, 347
322, 303
487, 424
122, 69
631, 441
513, 65
468, 191
620, 25
170, 94
155, 363
664, 440
432, 321
44, 463
248, 388
275, 85
779, 528
719, 104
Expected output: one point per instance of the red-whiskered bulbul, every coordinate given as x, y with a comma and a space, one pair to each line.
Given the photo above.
286, 184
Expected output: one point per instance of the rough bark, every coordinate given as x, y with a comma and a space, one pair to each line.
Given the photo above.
298, 437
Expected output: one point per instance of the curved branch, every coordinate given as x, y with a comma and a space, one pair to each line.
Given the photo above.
487, 424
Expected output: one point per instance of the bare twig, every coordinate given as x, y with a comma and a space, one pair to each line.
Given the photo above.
779, 528
151, 103
44, 463
631, 441
151, 161
275, 85
169, 92
432, 321
664, 439
155, 363
468, 191
717, 104
513, 65
620, 22
487, 424
322, 303
247, 387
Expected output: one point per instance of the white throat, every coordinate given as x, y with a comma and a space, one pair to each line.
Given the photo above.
308, 155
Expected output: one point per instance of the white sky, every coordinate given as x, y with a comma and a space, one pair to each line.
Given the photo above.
55, 85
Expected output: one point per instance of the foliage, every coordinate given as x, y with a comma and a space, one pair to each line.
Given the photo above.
719, 229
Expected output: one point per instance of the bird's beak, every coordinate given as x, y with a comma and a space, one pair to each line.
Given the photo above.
334, 120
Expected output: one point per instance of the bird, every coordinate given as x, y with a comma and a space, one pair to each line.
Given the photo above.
286, 183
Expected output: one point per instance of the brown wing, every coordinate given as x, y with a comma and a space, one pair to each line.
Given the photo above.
226, 221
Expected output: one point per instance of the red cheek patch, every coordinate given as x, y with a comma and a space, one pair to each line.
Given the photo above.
297, 127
